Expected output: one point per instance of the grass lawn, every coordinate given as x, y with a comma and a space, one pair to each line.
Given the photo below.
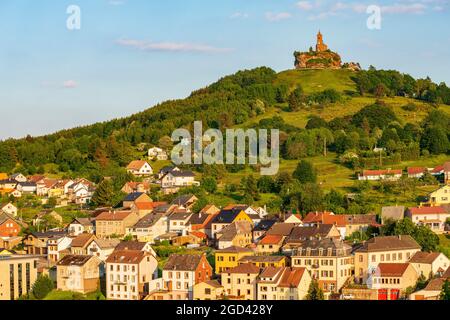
444, 245
70, 295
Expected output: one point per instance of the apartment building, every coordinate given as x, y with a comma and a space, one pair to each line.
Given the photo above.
283, 283
329, 261
78, 273
17, 275
239, 283
114, 223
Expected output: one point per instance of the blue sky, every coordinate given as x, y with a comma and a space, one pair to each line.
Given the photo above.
131, 54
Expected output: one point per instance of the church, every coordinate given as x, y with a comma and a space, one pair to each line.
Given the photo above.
320, 46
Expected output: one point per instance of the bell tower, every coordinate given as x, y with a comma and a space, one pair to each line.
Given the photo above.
320, 46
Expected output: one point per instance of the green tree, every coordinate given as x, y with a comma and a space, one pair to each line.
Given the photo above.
296, 99
305, 172
104, 194
314, 292
445, 293
435, 140
42, 287
209, 184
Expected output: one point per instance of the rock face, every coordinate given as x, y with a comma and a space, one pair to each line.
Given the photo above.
317, 60
322, 58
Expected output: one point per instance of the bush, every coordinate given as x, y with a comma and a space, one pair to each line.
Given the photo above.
42, 287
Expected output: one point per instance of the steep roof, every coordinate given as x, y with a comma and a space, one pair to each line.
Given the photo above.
271, 239
148, 205
74, 260
234, 249
389, 243
238, 227
392, 269
291, 277
113, 215
245, 268
393, 212
183, 262
282, 229
82, 240
126, 256
133, 196
136, 164
131, 245
424, 257
427, 210
226, 216
107, 243
313, 247
183, 199
264, 225
301, 233
148, 221
213, 283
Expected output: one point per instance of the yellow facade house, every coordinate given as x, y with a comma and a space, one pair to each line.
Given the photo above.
228, 258
114, 223
283, 283
208, 290
392, 280
239, 283
389, 249
17, 275
440, 196
78, 273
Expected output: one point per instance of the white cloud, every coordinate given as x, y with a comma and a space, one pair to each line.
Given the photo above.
70, 84
305, 5
270, 16
116, 2
398, 8
170, 46
239, 15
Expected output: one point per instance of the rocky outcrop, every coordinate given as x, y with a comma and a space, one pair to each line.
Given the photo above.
317, 60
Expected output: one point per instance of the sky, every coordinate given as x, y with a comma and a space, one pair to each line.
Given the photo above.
128, 55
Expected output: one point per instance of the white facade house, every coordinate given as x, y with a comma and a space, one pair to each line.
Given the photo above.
375, 175
156, 153
55, 246
140, 168
9, 208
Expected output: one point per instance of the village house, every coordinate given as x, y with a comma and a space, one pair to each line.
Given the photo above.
239, 283
78, 273
416, 172
238, 233
283, 283
172, 181
227, 217
433, 289
228, 258
185, 201
102, 248
81, 225
9, 226
18, 177
375, 175
210, 209
302, 233
149, 228
140, 168
136, 246
260, 230
430, 264
80, 244
26, 187
442, 172
393, 213
264, 261
8, 184
270, 244
114, 223
329, 261
440, 196
135, 198
156, 153
208, 290
57, 247
36, 242
178, 221
432, 217
80, 191
131, 187
44, 185
294, 218
383, 249
200, 222
17, 275
165, 170
128, 274
182, 272
391, 280
9, 208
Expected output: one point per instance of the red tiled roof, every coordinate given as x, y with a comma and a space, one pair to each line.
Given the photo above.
416, 170
381, 172
427, 210
246, 268
316, 216
392, 269
438, 169
117, 215
271, 239
199, 234
291, 277
148, 205
136, 164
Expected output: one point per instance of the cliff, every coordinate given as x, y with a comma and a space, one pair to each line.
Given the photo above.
317, 60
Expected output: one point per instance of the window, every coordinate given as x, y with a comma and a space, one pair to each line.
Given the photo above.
208, 291
374, 258
361, 258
